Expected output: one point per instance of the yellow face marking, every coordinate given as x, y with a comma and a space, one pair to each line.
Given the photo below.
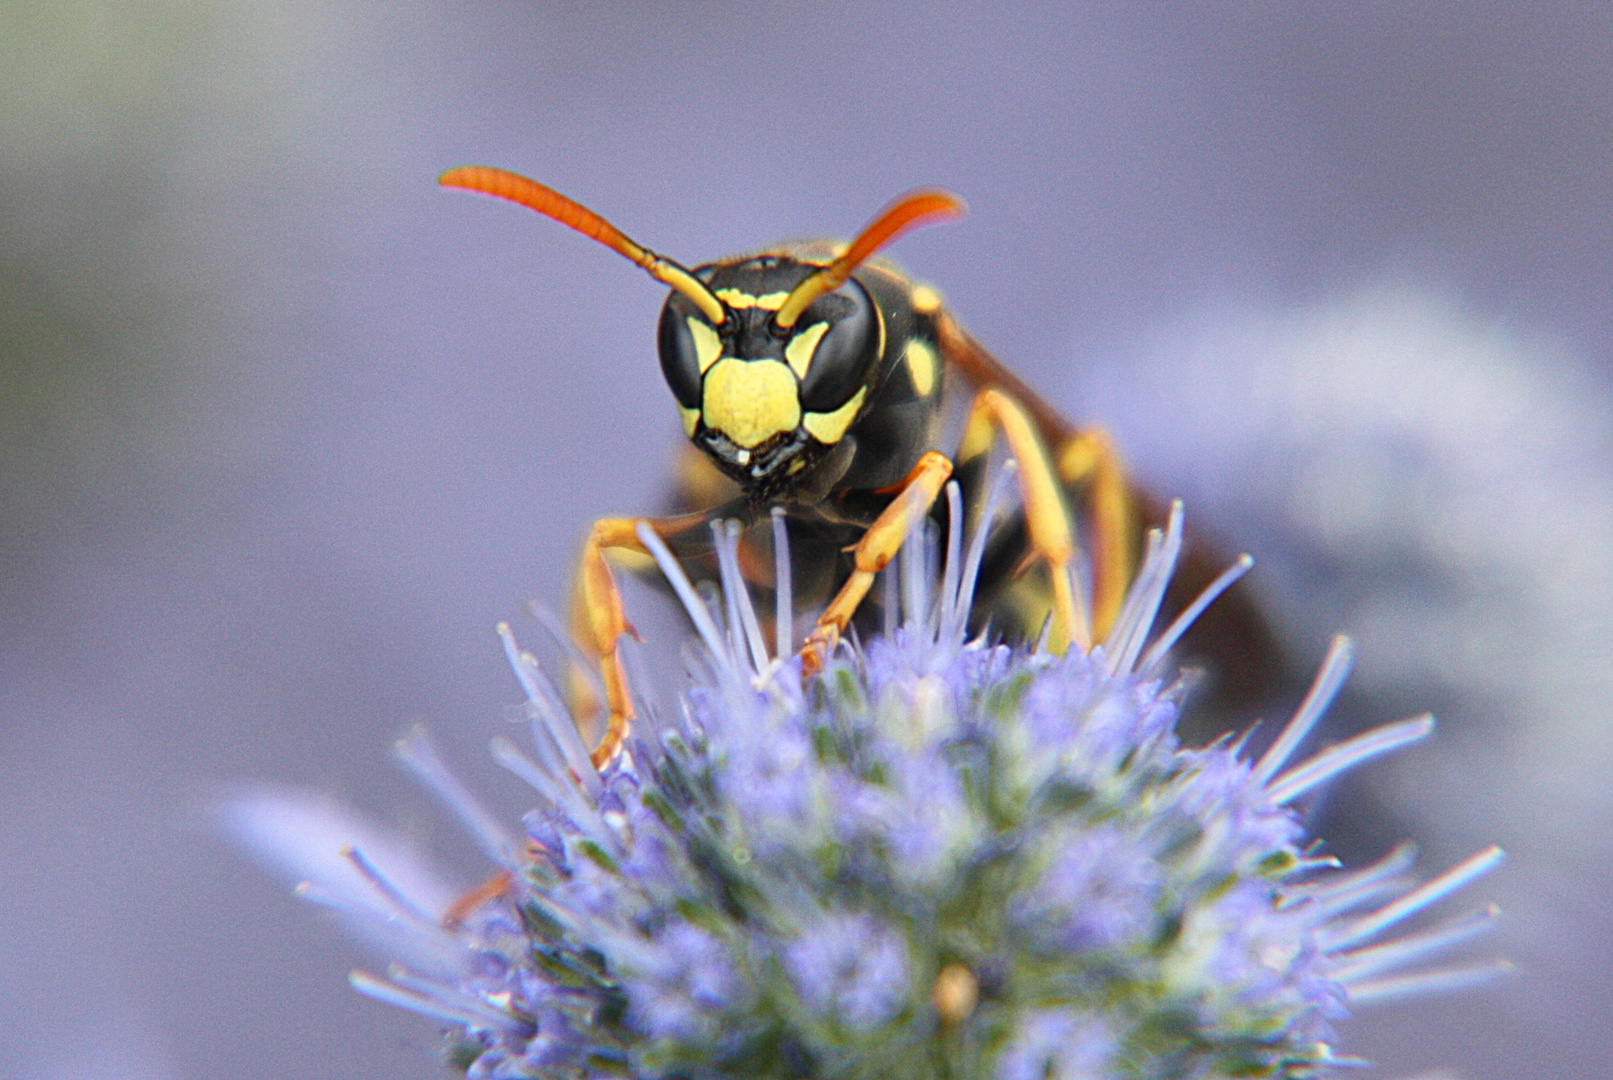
921, 366
924, 299
707, 345
802, 346
977, 434
751, 401
827, 427
691, 420
737, 300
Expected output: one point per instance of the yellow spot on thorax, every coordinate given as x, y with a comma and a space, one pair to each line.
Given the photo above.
924, 299
828, 427
803, 347
751, 401
921, 366
738, 300
977, 435
707, 345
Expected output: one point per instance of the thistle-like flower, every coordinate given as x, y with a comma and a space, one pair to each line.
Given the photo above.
939, 858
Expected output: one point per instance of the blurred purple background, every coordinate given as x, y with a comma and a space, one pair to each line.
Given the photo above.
285, 429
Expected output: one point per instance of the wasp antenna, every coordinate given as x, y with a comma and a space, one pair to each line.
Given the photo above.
551, 204
907, 212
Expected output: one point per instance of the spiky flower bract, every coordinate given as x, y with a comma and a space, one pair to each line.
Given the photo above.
937, 858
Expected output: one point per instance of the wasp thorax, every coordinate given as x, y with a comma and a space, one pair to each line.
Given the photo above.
766, 401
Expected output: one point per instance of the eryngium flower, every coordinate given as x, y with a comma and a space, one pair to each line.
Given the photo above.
939, 858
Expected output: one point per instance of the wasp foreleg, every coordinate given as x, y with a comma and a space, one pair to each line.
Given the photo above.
598, 621
875, 550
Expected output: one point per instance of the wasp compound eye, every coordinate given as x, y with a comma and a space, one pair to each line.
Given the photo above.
836, 347
689, 345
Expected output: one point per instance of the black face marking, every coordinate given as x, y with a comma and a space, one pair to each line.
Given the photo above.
680, 360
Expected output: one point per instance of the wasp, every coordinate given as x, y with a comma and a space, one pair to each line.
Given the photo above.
812, 378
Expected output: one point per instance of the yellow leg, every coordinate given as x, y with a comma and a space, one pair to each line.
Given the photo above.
1047, 520
874, 551
1088, 459
598, 622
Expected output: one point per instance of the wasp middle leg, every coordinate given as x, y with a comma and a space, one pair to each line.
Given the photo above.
1047, 519
1088, 461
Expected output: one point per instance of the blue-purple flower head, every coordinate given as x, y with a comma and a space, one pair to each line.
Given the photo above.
938, 858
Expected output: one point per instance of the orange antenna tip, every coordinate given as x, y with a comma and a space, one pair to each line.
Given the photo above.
503, 184
927, 206
907, 212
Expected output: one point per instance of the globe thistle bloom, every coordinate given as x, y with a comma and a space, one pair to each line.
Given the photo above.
940, 857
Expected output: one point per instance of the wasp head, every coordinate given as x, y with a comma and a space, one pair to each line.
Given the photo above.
770, 358
765, 400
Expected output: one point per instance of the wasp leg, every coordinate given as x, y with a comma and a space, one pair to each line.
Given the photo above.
496, 887
1047, 520
878, 546
1088, 459
598, 621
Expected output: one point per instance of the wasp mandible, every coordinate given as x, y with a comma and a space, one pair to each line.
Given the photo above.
812, 378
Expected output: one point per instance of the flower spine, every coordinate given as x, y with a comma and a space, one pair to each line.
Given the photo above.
939, 858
